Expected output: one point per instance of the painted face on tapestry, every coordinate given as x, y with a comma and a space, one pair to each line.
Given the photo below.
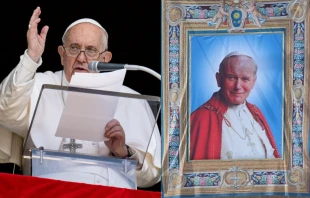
82, 36
237, 78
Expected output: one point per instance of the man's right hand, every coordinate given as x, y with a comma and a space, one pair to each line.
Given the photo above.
36, 42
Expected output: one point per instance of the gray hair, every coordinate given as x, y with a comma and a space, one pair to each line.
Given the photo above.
92, 21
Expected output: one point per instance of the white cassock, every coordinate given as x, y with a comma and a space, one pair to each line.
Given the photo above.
245, 139
135, 117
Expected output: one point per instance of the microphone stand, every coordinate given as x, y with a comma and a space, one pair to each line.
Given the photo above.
93, 66
142, 68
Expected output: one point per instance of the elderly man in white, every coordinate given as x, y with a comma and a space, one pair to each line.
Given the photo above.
128, 135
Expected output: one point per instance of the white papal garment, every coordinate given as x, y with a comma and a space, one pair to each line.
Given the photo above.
245, 139
19, 94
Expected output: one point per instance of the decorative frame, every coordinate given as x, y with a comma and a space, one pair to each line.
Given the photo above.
288, 175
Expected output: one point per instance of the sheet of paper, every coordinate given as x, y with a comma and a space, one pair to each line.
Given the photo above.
85, 115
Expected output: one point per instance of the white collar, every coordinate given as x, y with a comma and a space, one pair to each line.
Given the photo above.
238, 107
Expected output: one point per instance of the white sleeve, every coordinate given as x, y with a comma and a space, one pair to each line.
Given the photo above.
25, 72
149, 175
138, 120
15, 93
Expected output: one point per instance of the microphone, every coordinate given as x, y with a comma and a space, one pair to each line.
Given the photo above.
97, 66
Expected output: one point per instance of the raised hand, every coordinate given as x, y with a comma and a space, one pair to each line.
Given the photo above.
36, 42
116, 135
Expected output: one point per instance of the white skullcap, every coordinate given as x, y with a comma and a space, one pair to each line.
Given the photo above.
84, 20
237, 53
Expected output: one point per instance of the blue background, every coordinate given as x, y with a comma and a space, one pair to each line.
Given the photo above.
267, 49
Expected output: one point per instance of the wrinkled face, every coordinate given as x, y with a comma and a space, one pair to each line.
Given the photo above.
237, 79
82, 36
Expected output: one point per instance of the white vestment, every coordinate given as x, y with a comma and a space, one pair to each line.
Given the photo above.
19, 94
245, 139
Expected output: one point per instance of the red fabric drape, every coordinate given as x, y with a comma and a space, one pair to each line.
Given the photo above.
26, 186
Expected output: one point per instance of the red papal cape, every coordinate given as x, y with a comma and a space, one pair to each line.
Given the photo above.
206, 129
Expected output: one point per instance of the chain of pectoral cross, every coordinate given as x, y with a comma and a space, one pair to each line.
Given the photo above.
250, 143
247, 133
72, 145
